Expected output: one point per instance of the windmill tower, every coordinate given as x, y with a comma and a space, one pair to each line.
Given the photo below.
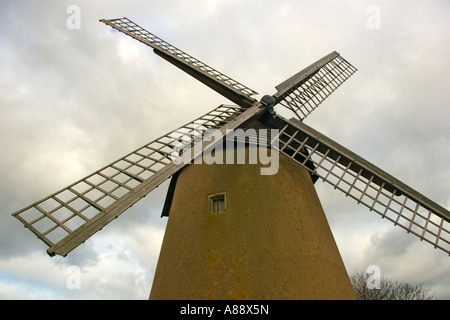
240, 229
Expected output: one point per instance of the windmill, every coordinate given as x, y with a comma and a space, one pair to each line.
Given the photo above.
234, 231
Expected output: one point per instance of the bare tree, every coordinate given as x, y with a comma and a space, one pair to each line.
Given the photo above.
387, 289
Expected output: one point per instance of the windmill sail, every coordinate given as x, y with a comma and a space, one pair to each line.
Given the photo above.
365, 183
68, 217
231, 89
304, 91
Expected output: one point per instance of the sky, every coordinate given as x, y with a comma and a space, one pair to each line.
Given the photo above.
75, 96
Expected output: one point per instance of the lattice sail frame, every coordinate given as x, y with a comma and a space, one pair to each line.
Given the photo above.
66, 218
305, 91
232, 89
366, 183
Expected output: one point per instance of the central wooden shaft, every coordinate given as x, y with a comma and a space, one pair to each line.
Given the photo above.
267, 239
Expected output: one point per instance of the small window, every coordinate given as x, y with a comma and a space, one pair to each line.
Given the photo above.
217, 202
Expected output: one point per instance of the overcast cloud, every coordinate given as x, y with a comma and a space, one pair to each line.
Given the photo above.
74, 100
